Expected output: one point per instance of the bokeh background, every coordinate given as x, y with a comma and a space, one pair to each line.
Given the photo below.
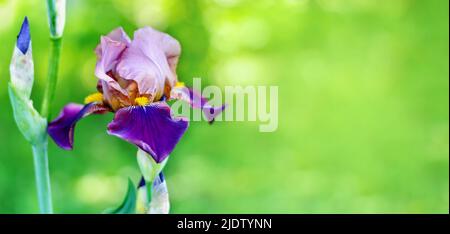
363, 106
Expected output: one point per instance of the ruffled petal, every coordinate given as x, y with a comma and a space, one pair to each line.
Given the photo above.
112, 96
61, 129
152, 128
151, 42
118, 35
196, 100
108, 53
135, 66
151, 61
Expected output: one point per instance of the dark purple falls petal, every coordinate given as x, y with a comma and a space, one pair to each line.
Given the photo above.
152, 128
61, 129
24, 37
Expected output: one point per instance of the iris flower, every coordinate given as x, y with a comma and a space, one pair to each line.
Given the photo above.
135, 79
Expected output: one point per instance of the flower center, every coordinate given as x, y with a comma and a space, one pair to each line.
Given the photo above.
141, 101
95, 97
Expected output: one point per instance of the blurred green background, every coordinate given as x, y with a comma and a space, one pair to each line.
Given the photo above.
363, 107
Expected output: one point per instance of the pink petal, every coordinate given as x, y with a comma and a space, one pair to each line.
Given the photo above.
151, 61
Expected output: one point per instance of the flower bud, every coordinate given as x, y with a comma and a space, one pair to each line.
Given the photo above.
56, 17
160, 197
30, 123
22, 67
141, 198
148, 166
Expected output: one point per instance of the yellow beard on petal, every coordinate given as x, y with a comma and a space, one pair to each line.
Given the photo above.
142, 101
95, 97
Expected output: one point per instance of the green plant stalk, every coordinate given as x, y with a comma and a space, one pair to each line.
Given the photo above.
40, 153
149, 191
53, 65
42, 177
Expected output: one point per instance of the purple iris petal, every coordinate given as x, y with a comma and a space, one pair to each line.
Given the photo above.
61, 129
152, 128
24, 38
196, 100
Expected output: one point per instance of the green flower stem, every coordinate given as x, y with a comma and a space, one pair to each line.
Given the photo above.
42, 177
40, 153
149, 191
51, 76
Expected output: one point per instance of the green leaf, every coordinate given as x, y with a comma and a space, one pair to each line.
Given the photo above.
128, 205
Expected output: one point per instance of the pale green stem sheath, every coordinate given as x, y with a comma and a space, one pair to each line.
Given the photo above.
51, 76
42, 177
149, 186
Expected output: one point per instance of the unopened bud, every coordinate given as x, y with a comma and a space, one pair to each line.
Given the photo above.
56, 17
148, 166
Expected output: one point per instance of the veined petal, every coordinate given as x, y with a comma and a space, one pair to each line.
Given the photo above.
152, 43
135, 66
152, 128
61, 129
116, 99
151, 61
108, 53
118, 35
196, 100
